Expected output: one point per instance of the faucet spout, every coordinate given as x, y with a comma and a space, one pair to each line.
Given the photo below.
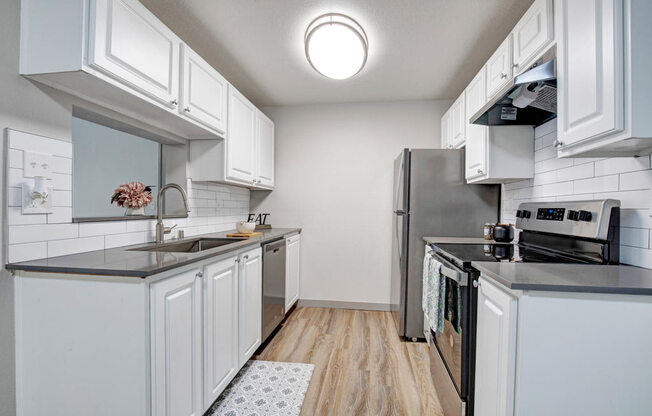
160, 229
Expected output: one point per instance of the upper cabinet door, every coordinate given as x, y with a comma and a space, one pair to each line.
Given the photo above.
241, 140
590, 69
176, 345
532, 34
499, 67
251, 300
220, 327
446, 130
203, 91
129, 43
458, 123
476, 135
264, 150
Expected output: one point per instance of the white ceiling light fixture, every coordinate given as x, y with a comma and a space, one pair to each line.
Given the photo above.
336, 46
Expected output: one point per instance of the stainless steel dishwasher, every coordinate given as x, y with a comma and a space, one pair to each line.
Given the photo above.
273, 286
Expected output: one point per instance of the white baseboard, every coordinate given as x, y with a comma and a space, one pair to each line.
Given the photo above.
365, 306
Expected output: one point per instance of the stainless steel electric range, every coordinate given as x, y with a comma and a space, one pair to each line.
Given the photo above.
581, 232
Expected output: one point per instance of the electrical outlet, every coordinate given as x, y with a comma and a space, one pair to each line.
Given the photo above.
37, 164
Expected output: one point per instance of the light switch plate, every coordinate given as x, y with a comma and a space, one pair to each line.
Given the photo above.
37, 164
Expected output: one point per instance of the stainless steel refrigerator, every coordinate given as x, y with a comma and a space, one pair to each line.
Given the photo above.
431, 198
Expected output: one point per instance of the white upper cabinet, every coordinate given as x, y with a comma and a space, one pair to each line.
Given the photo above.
264, 151
446, 142
130, 43
458, 122
495, 360
476, 135
292, 270
241, 140
603, 77
499, 67
532, 34
220, 327
204, 92
250, 300
176, 345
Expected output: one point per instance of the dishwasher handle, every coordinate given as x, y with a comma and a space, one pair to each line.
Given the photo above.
274, 246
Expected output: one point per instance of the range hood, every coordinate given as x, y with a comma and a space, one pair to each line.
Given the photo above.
530, 99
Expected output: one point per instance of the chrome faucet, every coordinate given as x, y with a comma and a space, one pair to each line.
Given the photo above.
161, 230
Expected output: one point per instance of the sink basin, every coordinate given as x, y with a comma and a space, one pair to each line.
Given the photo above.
190, 246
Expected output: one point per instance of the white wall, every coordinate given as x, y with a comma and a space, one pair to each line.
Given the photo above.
334, 170
626, 179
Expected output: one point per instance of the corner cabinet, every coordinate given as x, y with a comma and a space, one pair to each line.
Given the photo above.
176, 319
458, 123
604, 87
251, 297
446, 139
241, 140
292, 270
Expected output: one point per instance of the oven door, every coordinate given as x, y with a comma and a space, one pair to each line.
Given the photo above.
450, 351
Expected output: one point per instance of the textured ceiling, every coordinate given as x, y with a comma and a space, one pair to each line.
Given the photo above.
418, 49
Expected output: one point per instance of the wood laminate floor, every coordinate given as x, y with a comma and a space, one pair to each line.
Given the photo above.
361, 365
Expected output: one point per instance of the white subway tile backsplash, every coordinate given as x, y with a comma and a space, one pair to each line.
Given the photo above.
75, 245
47, 235
626, 179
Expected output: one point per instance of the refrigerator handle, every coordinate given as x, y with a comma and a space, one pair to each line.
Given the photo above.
398, 185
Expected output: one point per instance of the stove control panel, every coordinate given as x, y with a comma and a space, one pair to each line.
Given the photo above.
573, 218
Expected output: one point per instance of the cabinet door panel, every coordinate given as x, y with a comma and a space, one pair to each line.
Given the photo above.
220, 327
292, 270
176, 346
131, 44
590, 69
251, 299
265, 150
458, 123
499, 67
240, 142
476, 135
495, 351
532, 33
445, 130
204, 92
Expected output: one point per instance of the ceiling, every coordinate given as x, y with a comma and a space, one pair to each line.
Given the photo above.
418, 49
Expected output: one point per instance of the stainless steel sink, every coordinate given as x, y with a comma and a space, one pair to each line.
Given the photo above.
190, 246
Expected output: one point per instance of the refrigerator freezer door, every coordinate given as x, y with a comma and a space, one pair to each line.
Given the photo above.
399, 239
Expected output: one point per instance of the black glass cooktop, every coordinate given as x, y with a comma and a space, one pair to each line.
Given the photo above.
464, 254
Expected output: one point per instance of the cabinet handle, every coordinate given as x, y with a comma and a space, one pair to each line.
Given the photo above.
515, 66
480, 171
245, 257
503, 75
237, 260
187, 109
557, 143
174, 102
200, 274
476, 283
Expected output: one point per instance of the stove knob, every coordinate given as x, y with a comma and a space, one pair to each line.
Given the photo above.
571, 215
585, 216
526, 213
519, 214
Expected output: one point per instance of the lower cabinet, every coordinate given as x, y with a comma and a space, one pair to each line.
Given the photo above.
176, 316
220, 327
495, 351
250, 299
292, 270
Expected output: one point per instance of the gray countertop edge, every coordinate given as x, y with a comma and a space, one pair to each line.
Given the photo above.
30, 265
551, 287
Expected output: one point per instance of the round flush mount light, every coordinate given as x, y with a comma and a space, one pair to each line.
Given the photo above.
336, 46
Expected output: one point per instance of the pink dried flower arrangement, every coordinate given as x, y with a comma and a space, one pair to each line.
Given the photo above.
132, 195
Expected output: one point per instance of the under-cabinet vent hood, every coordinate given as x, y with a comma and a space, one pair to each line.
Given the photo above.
529, 99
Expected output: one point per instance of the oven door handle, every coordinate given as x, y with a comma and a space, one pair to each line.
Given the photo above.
450, 271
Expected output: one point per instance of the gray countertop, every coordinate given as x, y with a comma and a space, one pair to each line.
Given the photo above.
123, 261
617, 279
457, 240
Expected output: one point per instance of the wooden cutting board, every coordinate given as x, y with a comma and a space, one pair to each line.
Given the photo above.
240, 235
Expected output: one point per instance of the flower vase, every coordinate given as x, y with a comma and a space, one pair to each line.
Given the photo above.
135, 211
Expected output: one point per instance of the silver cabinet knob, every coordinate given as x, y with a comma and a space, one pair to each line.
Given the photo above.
503, 75
187, 109
476, 283
480, 171
515, 66
200, 274
557, 143
245, 257
237, 260
174, 102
